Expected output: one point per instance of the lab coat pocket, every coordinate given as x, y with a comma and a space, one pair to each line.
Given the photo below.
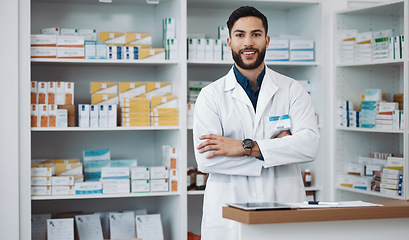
276, 124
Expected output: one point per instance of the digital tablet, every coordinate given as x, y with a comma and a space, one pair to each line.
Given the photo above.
260, 205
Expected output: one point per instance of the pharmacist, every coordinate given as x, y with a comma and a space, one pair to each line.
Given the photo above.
251, 129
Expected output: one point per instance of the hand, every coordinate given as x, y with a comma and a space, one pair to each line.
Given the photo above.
283, 134
222, 146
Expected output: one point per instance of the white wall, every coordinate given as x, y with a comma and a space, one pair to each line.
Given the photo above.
9, 119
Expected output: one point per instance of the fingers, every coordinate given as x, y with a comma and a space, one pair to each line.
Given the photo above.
208, 136
283, 134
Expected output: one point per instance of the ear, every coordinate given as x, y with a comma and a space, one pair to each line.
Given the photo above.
267, 41
229, 42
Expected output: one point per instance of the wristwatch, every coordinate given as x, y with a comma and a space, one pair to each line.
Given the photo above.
248, 145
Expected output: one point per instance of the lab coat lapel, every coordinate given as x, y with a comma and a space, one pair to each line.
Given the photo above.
238, 91
268, 88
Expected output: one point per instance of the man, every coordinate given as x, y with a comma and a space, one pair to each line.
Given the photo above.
251, 129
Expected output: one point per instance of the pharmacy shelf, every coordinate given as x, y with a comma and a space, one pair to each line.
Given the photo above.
96, 196
371, 193
372, 63
83, 129
195, 192
104, 61
262, 4
391, 8
374, 130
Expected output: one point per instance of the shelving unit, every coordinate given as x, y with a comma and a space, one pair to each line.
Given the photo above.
180, 211
350, 81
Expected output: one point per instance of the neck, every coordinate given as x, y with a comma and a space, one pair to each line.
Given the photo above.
252, 74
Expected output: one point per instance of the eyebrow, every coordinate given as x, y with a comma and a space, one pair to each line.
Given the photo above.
242, 31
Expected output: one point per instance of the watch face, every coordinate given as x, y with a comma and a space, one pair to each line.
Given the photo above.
248, 143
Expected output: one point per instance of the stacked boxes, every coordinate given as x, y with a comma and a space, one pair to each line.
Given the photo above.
170, 160
55, 176
301, 50
170, 42
140, 180
346, 52
369, 46
135, 112
164, 111
115, 180
44, 99
278, 50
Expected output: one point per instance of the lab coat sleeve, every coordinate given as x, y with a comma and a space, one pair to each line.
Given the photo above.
302, 145
207, 121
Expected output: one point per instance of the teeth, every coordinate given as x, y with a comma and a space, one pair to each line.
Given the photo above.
248, 53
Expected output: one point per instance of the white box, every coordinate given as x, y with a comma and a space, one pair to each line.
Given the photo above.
223, 33
140, 173
115, 190
39, 40
43, 52
227, 55
83, 115
356, 169
209, 49
301, 45
301, 56
115, 183
70, 52
52, 115
277, 55
62, 118
87, 188
41, 191
112, 115
169, 28
114, 172
373, 94
41, 171
42, 93
69, 93
62, 190
60, 93
159, 185
96, 154
217, 50
33, 92
50, 31
88, 34
140, 185
62, 180
90, 50
40, 181
43, 115
101, 48
93, 116
192, 49
70, 41
388, 106
68, 32
103, 115
51, 91
35, 118
160, 172
200, 49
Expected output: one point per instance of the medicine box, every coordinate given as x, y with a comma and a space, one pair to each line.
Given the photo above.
114, 172
51, 92
140, 39
83, 115
40, 181
88, 188
69, 32
88, 34
131, 90
96, 154
104, 87
39, 40
159, 185
140, 173
70, 42
112, 38
52, 115
103, 115
159, 172
62, 190
140, 185
41, 191
152, 53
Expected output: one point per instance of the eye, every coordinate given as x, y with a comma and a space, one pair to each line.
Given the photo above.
256, 35
239, 35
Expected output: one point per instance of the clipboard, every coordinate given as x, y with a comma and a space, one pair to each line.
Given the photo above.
255, 206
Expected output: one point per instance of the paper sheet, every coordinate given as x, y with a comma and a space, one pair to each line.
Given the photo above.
39, 225
336, 204
122, 225
89, 227
149, 227
60, 229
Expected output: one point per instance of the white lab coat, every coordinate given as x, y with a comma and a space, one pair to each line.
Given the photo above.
223, 108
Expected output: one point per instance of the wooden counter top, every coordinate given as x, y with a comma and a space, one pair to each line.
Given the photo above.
390, 209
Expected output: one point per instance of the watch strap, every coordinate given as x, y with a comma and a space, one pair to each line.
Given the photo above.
247, 151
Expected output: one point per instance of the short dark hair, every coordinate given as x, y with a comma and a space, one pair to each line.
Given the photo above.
246, 11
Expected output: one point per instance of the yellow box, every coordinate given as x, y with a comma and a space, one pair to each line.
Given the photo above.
168, 114
135, 120
43, 114
52, 115
42, 95
145, 115
69, 93
68, 169
165, 119
145, 109
152, 53
151, 86
132, 89
139, 124
165, 123
65, 160
167, 101
112, 38
104, 87
138, 39
104, 98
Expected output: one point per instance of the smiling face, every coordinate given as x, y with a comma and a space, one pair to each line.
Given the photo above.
248, 42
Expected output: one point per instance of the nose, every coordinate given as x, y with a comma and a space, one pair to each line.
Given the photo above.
248, 41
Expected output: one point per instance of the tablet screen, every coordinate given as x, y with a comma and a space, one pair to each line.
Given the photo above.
260, 205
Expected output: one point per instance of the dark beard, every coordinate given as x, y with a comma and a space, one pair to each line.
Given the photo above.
237, 59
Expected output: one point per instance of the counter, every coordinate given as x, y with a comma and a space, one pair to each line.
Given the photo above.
391, 219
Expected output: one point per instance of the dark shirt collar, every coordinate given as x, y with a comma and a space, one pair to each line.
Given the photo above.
244, 82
